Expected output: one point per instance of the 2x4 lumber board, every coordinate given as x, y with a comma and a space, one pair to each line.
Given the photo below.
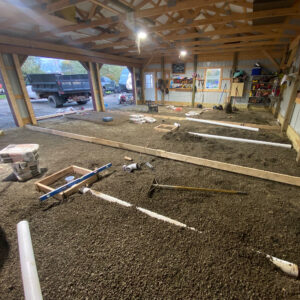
257, 173
24, 89
52, 178
294, 137
260, 126
240, 29
60, 114
32, 44
257, 37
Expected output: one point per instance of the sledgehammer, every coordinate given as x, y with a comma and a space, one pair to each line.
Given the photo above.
155, 185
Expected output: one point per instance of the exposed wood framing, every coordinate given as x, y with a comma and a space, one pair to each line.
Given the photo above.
96, 87
194, 80
257, 173
233, 69
44, 185
272, 60
31, 47
162, 70
291, 105
15, 89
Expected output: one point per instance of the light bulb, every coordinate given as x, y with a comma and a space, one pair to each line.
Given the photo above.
142, 35
183, 53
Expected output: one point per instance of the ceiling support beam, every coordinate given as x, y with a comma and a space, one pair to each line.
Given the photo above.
32, 47
272, 60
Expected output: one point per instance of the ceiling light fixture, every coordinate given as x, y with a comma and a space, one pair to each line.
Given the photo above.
142, 35
183, 53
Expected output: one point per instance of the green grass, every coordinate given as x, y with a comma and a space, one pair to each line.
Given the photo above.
2, 97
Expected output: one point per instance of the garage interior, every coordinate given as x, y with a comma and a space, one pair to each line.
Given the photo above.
190, 193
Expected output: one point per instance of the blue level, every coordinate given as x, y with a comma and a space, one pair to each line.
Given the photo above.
70, 184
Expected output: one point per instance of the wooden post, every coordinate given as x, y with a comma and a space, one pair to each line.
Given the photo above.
163, 79
233, 69
194, 79
291, 105
15, 89
133, 80
95, 85
142, 74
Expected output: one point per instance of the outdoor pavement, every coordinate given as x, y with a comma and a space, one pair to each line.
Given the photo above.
42, 108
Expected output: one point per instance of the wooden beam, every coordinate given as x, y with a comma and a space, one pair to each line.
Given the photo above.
24, 89
102, 36
233, 69
162, 69
272, 60
227, 19
291, 104
246, 38
179, 6
107, 7
82, 54
61, 4
256, 173
98, 78
240, 29
10, 93
188, 4
194, 80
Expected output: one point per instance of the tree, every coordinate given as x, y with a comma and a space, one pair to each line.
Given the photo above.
112, 72
32, 65
69, 67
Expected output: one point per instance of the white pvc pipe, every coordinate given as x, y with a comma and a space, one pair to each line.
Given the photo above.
223, 124
143, 210
285, 266
106, 197
228, 138
31, 283
163, 218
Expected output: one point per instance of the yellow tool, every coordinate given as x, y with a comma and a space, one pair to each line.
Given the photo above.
155, 185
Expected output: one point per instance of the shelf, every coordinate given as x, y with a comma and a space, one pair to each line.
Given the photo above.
181, 89
263, 75
258, 96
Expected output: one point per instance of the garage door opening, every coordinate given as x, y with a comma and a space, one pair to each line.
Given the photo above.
6, 118
56, 86
117, 87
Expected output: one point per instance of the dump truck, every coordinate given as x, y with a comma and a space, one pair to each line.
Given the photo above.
60, 89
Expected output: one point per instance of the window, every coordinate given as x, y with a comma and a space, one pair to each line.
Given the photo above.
148, 81
213, 78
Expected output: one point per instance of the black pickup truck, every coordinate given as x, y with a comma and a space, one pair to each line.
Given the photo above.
60, 89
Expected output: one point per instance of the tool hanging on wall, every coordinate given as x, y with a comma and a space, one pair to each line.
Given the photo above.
201, 84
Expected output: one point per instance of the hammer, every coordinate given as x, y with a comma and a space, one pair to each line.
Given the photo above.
155, 185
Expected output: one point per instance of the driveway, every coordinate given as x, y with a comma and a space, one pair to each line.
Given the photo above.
42, 108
